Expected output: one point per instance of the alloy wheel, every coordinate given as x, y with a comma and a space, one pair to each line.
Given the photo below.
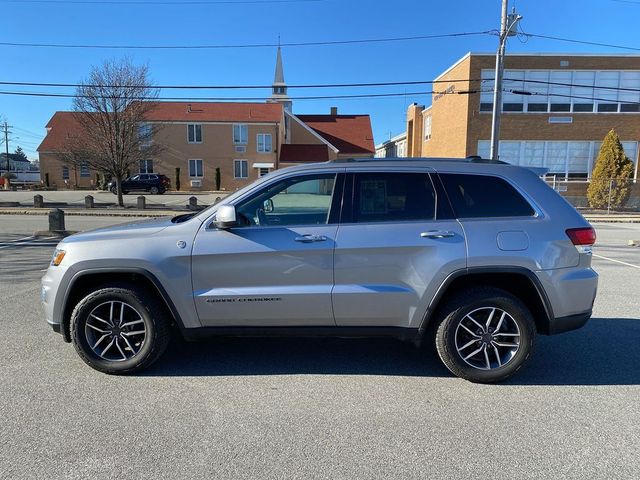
115, 331
487, 338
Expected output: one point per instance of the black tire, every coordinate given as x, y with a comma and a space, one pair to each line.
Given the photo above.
154, 190
482, 299
114, 190
146, 304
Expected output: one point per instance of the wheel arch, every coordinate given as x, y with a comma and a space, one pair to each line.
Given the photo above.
519, 281
86, 280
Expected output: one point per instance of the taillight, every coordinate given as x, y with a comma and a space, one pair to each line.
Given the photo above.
582, 236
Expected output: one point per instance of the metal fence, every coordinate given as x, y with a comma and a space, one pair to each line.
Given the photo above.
610, 195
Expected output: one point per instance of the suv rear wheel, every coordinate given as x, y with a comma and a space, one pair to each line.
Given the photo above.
484, 334
115, 331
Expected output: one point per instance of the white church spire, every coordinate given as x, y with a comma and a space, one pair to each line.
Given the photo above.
279, 87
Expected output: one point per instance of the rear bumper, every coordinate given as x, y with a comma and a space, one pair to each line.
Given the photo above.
568, 323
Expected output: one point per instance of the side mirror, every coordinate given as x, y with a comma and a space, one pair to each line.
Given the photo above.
267, 205
225, 217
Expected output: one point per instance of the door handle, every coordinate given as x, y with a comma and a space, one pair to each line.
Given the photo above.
437, 234
310, 238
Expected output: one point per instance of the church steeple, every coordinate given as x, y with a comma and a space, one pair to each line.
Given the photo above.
279, 87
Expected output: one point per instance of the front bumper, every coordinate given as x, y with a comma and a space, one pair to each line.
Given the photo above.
50, 286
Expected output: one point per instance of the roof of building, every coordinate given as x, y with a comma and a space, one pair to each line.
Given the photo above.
350, 134
59, 129
12, 157
536, 54
216, 112
303, 153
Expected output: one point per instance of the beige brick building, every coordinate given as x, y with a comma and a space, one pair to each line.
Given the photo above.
557, 108
242, 140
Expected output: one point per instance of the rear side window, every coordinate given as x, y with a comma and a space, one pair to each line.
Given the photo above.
392, 197
474, 196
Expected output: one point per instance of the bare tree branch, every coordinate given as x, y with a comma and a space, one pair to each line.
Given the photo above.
111, 107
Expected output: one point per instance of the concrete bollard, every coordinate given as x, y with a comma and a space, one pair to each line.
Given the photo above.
193, 203
88, 202
56, 220
38, 201
142, 202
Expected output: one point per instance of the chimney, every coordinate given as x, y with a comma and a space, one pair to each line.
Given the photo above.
334, 110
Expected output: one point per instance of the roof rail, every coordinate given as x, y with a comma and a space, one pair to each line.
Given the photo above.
469, 159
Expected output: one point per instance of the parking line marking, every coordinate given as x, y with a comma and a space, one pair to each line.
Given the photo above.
617, 261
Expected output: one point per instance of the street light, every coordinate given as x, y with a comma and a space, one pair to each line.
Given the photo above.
507, 29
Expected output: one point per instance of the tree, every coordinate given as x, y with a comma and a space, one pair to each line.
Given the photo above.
20, 154
112, 106
177, 179
218, 178
610, 181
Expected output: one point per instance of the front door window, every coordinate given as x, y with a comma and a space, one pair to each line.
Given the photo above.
294, 201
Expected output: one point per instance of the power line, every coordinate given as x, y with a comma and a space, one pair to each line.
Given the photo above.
221, 99
595, 99
324, 97
242, 87
161, 2
583, 42
249, 45
326, 85
575, 85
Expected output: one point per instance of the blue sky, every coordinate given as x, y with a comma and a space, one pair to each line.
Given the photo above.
607, 21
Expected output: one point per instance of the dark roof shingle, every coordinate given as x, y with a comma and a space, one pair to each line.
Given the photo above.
350, 134
304, 153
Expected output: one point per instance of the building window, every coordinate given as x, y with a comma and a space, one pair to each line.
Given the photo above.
84, 170
194, 133
427, 128
145, 132
240, 133
65, 172
566, 159
196, 169
146, 166
577, 91
240, 169
264, 142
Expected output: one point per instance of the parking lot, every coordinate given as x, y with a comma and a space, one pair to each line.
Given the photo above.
305, 408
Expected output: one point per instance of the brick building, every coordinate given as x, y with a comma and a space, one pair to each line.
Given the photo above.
557, 108
242, 140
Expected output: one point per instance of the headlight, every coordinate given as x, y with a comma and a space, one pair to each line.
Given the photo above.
58, 255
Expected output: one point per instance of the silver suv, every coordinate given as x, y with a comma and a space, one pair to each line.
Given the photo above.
475, 256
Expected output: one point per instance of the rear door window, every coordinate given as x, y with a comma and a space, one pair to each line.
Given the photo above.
393, 197
482, 196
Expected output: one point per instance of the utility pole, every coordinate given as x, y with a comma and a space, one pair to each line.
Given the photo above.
6, 143
508, 22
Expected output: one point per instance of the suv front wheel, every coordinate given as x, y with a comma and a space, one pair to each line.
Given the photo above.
485, 334
120, 329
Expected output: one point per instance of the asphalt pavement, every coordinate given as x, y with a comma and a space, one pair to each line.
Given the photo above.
299, 408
